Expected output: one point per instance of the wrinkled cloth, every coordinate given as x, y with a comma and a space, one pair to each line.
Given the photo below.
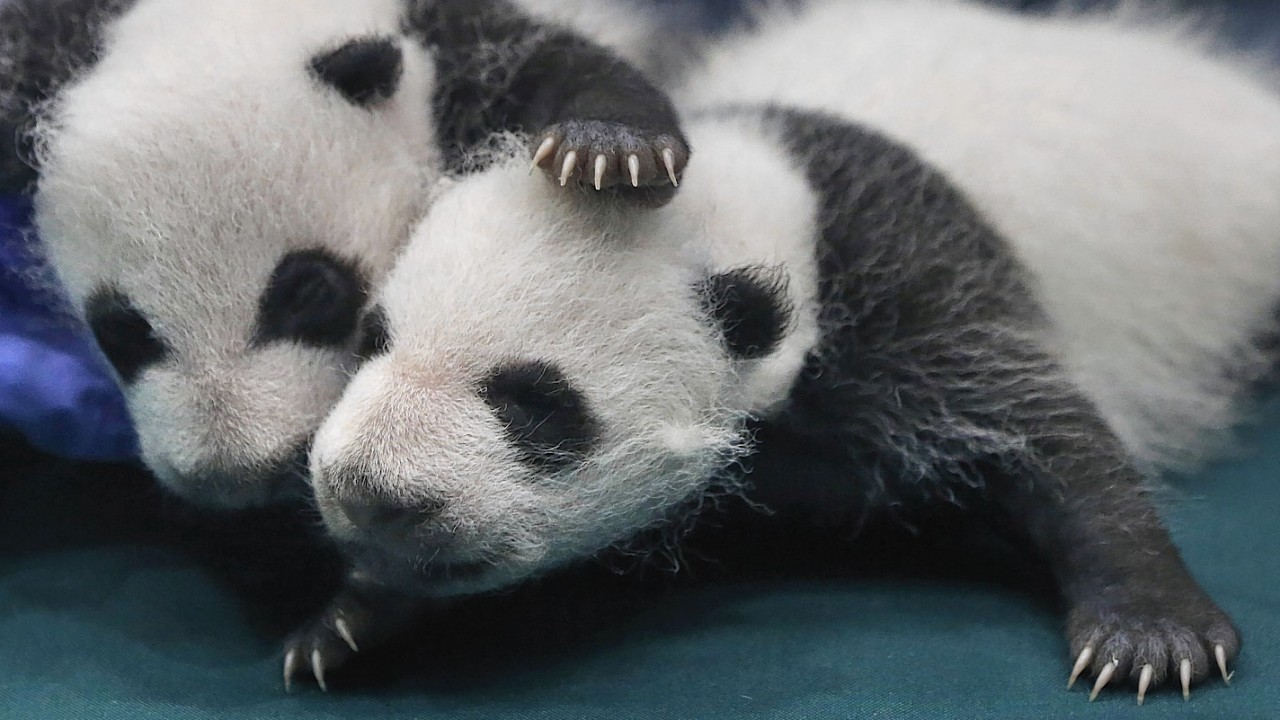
54, 389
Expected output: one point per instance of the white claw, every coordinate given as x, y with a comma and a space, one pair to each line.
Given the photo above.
344, 631
1144, 682
602, 164
669, 159
543, 152
1220, 653
1185, 670
1082, 662
290, 669
317, 669
1104, 677
570, 164
633, 165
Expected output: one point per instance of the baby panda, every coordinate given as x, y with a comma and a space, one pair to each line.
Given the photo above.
221, 185
815, 291
1134, 167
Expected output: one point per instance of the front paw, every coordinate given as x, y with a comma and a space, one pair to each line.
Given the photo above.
1150, 640
602, 155
357, 619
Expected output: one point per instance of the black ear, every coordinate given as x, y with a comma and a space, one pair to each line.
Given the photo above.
17, 161
365, 70
751, 307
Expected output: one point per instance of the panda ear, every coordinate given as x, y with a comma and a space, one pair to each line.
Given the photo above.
18, 171
366, 71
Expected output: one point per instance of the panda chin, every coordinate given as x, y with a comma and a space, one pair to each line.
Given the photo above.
411, 575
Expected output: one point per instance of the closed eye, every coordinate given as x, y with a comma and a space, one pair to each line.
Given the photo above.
314, 298
125, 336
545, 417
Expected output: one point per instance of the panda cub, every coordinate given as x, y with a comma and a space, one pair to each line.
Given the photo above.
815, 291
220, 185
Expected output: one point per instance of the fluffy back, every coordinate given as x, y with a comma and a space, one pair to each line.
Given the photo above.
1136, 172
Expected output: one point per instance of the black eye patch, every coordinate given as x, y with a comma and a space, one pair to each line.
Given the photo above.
546, 418
375, 339
127, 339
751, 307
365, 71
314, 298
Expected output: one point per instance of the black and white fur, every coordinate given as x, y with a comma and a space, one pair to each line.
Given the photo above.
221, 185
1130, 162
539, 402
818, 292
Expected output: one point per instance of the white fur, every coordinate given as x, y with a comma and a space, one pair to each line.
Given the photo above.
1137, 175
506, 269
186, 163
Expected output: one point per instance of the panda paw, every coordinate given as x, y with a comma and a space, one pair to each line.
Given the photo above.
355, 620
323, 645
1147, 643
610, 157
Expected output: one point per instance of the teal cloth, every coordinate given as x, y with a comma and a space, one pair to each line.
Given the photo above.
116, 603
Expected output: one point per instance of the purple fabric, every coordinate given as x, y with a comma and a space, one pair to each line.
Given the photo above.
54, 389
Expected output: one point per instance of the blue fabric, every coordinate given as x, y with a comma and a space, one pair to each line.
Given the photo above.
53, 387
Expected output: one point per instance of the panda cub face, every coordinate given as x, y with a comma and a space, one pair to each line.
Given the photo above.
551, 382
219, 193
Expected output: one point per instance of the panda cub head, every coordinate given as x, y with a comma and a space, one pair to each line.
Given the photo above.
219, 190
554, 379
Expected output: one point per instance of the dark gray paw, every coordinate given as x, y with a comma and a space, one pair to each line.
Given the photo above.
610, 156
1147, 643
358, 619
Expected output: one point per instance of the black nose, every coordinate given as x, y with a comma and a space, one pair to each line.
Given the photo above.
383, 514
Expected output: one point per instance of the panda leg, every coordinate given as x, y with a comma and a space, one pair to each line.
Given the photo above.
360, 618
1135, 613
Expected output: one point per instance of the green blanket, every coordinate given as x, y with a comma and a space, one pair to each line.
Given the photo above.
118, 603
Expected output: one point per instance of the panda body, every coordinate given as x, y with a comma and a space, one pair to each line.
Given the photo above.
815, 292
221, 185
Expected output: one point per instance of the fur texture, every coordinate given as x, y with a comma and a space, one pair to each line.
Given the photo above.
1134, 170
918, 367
926, 360
656, 383
186, 151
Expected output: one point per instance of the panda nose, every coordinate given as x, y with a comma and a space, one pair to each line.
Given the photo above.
381, 514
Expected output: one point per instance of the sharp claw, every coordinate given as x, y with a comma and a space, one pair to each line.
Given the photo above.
344, 631
1220, 653
1104, 677
290, 669
1144, 682
570, 164
602, 164
1185, 670
669, 159
317, 669
1082, 662
543, 152
633, 164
